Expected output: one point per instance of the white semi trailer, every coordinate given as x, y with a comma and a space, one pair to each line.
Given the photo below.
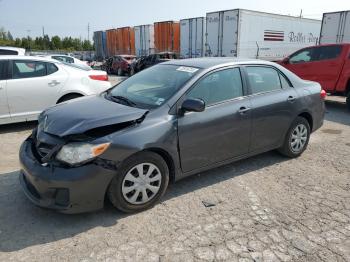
251, 34
335, 28
144, 40
191, 37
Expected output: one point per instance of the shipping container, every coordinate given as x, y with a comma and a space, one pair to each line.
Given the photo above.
120, 41
100, 45
167, 36
144, 40
125, 41
191, 37
251, 34
111, 39
335, 28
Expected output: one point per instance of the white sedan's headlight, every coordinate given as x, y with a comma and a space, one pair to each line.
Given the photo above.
75, 153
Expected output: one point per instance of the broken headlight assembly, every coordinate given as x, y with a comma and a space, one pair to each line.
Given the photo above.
78, 152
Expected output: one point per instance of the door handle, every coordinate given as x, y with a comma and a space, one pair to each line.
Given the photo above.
243, 110
291, 99
53, 83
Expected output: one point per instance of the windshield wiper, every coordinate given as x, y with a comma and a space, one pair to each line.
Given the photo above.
123, 99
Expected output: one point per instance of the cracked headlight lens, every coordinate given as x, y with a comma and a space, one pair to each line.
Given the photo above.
75, 153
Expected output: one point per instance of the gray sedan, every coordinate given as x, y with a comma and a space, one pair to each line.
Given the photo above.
163, 124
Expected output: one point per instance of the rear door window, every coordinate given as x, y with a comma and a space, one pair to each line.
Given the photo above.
263, 79
328, 52
28, 69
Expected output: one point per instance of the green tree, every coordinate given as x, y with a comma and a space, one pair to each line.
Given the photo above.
55, 43
87, 45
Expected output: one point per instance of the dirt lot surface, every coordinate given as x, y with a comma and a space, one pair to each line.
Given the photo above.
266, 208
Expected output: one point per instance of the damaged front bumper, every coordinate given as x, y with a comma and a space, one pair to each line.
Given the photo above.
66, 189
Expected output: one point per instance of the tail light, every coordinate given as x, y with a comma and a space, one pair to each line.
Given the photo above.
323, 94
99, 77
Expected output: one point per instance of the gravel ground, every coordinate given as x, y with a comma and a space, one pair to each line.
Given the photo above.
266, 208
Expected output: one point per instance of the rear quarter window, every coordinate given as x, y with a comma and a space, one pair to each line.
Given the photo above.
51, 68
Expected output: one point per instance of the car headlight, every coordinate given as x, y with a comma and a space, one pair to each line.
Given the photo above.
75, 153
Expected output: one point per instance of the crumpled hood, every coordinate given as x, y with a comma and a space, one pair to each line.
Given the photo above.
83, 114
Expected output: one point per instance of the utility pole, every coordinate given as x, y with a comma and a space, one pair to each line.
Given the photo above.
43, 32
88, 28
28, 32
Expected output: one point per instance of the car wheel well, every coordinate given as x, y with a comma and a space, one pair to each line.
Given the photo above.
308, 117
347, 90
68, 96
167, 158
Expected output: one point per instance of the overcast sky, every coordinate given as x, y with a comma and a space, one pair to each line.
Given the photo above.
71, 17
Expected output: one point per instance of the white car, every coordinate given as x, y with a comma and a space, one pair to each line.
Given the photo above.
68, 59
7, 50
28, 85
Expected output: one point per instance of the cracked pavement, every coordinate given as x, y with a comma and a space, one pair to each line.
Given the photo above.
266, 208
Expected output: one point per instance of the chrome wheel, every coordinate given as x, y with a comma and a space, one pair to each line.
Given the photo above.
298, 138
141, 183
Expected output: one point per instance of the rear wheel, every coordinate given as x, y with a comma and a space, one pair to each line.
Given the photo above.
297, 138
140, 183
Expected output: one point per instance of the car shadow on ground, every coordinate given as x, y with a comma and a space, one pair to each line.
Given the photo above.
17, 127
23, 225
337, 112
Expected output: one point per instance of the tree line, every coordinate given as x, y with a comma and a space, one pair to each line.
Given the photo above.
45, 42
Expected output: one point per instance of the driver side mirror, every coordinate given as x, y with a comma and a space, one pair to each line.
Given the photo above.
193, 105
285, 61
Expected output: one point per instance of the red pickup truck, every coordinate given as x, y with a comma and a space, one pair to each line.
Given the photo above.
328, 65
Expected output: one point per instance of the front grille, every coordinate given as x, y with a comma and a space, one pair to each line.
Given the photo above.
43, 149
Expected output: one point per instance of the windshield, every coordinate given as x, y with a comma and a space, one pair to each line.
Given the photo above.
154, 86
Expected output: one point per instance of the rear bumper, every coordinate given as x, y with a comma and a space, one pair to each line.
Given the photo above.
68, 190
318, 118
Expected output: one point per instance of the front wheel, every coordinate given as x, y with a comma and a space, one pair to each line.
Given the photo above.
140, 182
297, 138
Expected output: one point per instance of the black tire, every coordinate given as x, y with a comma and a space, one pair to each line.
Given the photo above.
68, 97
132, 71
120, 72
286, 148
115, 193
348, 101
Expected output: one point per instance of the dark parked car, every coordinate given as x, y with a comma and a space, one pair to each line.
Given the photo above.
163, 124
119, 64
151, 60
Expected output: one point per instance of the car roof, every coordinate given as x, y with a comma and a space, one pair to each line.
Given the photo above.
209, 62
20, 57
342, 44
12, 48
